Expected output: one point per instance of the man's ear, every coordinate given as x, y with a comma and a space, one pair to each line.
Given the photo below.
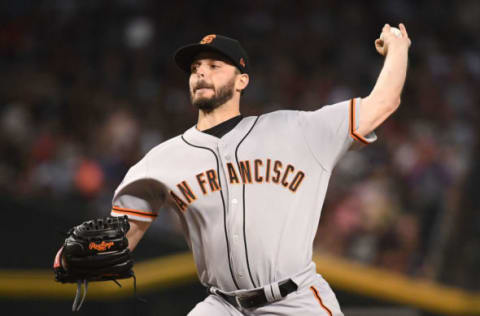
242, 81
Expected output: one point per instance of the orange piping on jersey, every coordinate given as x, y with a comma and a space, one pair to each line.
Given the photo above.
133, 214
353, 133
121, 210
315, 293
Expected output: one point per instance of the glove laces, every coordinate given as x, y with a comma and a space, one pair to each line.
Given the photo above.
77, 303
83, 284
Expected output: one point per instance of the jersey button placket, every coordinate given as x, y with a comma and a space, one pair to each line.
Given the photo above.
237, 246
234, 216
226, 157
236, 213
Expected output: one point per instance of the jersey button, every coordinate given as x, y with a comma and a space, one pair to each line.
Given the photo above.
228, 157
234, 201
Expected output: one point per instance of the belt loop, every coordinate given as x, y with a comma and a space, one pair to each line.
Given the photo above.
269, 293
276, 291
237, 300
212, 290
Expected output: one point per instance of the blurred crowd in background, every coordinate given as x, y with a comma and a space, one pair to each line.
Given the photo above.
88, 87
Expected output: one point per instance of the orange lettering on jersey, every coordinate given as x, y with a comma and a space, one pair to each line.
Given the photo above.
232, 174
245, 171
296, 181
186, 191
267, 173
213, 180
288, 170
201, 182
101, 246
182, 206
276, 169
258, 164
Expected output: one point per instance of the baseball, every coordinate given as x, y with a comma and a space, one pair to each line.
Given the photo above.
395, 32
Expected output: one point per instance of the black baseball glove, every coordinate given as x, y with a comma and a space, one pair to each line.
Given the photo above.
96, 250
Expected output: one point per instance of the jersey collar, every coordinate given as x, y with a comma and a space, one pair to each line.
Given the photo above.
198, 138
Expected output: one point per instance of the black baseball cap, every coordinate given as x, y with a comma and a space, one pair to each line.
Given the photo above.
226, 46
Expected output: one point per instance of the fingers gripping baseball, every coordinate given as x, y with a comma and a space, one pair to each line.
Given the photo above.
391, 36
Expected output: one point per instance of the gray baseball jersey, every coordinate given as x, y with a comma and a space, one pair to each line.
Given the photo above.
250, 201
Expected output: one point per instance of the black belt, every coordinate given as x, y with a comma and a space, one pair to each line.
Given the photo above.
257, 298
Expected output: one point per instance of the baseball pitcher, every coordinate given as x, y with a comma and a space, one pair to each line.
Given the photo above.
249, 190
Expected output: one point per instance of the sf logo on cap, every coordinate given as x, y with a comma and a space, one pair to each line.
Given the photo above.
208, 39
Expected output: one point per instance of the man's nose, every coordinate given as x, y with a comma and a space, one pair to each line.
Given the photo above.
201, 71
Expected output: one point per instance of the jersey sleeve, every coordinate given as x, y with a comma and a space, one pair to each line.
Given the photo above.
331, 130
138, 196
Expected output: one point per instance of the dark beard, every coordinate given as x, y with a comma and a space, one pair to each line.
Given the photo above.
224, 94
